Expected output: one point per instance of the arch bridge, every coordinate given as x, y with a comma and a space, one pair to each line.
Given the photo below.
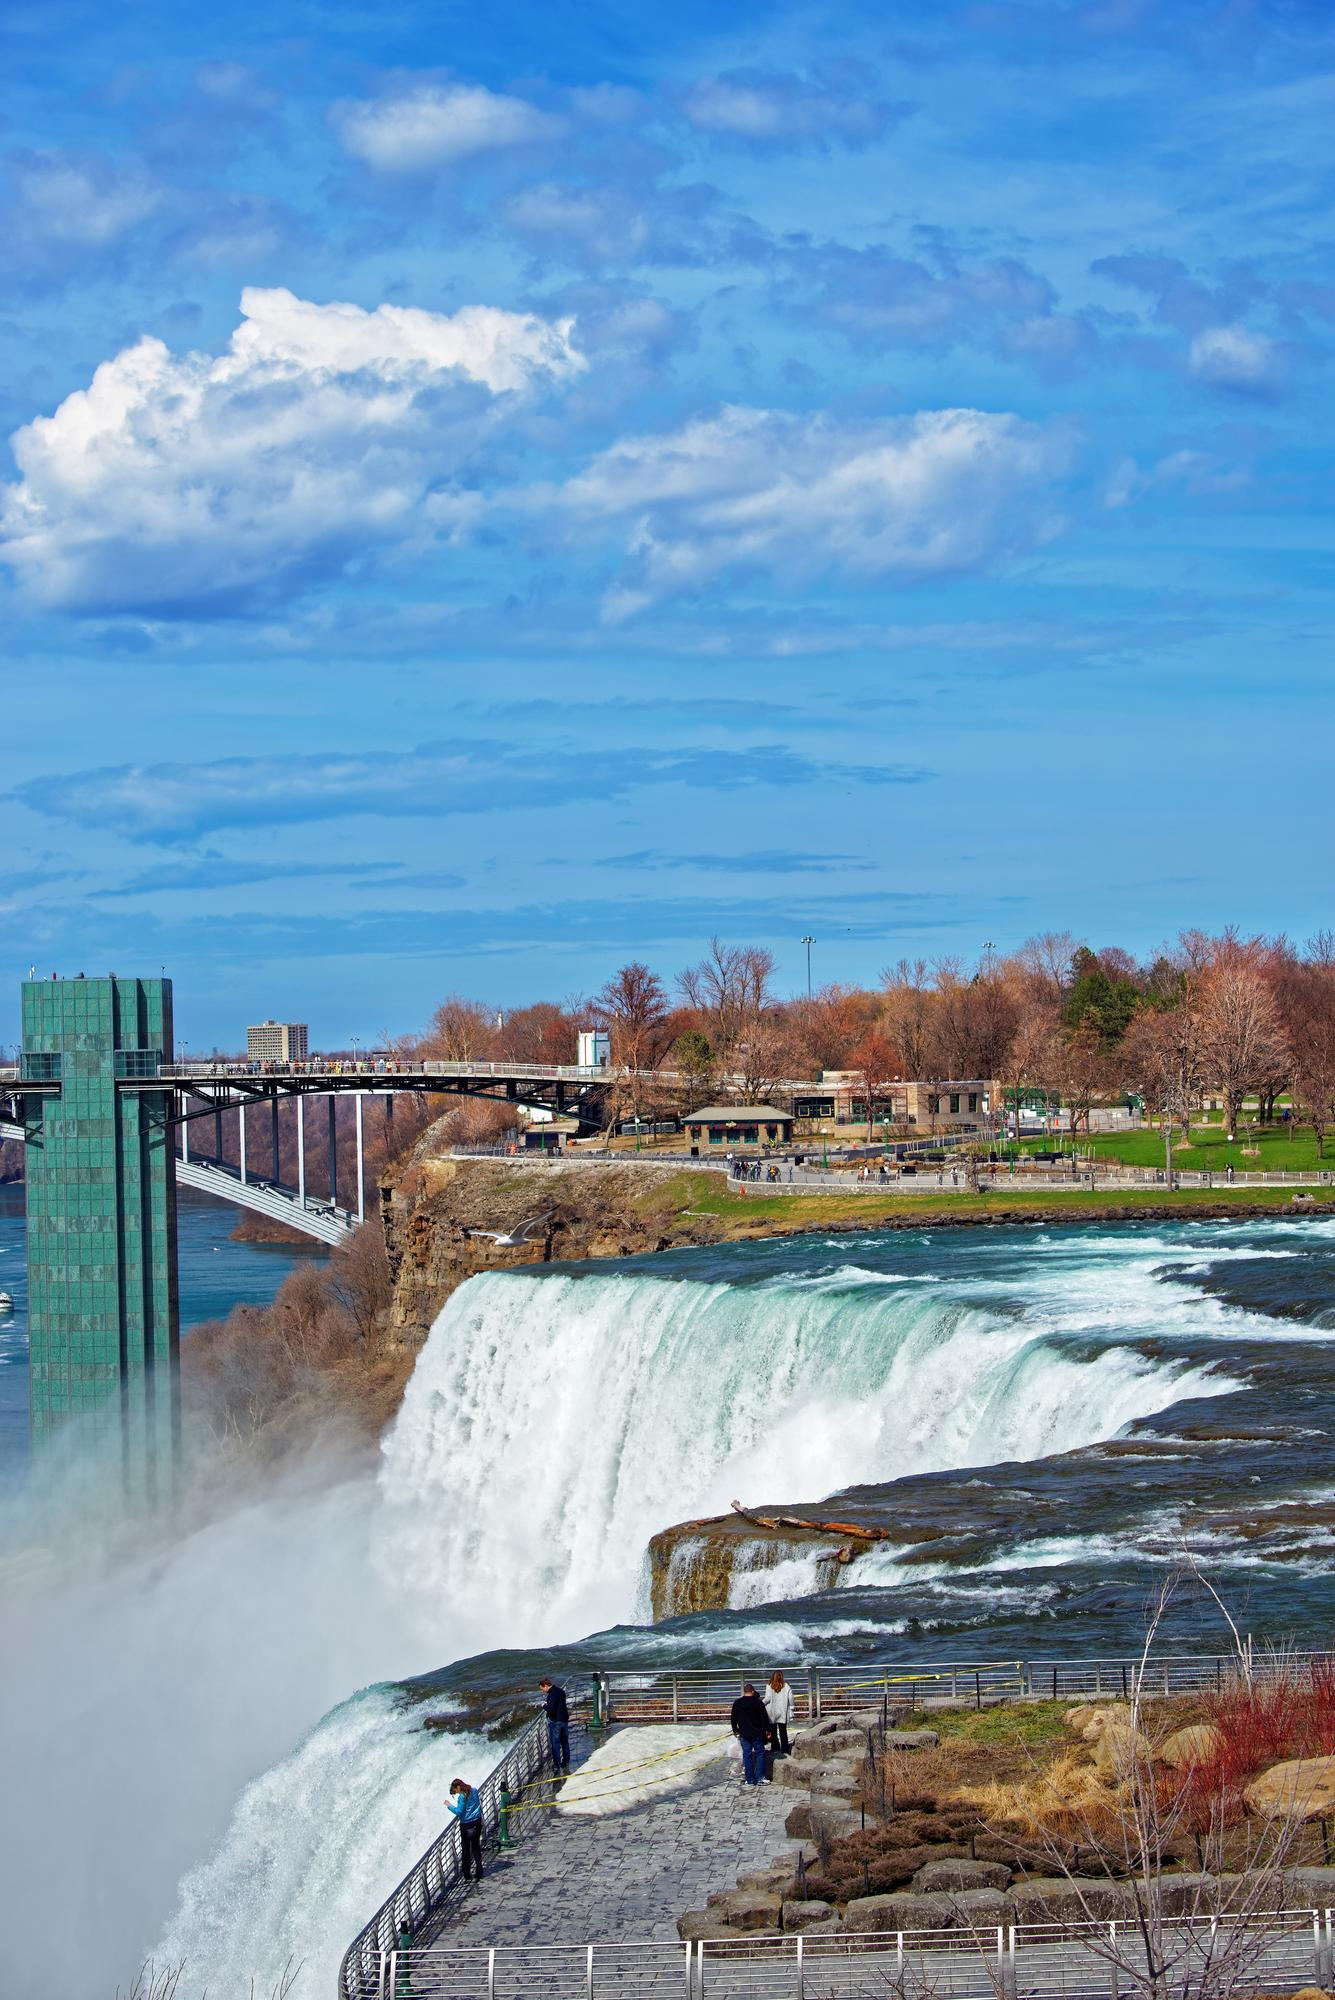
112, 1125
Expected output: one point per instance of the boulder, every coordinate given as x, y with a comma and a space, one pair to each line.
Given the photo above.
801, 1850
840, 1781
1098, 1718
746, 1909
846, 1743
1311, 1887
1119, 1749
693, 1924
952, 1877
825, 1726
1303, 1789
979, 1909
1058, 1899
1196, 1744
911, 1739
833, 1742
831, 1817
793, 1776
809, 1916
899, 1913
775, 1879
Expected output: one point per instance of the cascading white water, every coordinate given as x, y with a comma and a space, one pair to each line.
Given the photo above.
553, 1424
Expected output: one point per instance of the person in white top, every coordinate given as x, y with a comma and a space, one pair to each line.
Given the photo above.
778, 1700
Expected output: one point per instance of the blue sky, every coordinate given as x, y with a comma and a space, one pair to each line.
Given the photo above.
489, 494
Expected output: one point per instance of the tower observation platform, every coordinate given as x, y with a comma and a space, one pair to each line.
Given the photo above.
106, 1116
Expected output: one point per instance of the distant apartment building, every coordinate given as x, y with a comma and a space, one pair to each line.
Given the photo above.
935, 1105
278, 1041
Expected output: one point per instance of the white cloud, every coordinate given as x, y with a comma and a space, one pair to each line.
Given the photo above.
764, 492
772, 108
1233, 357
434, 125
177, 482
83, 203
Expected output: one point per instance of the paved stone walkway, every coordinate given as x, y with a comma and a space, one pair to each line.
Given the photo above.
625, 1876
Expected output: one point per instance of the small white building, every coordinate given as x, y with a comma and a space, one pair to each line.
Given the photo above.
595, 1048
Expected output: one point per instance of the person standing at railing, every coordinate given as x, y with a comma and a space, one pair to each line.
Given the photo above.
751, 1723
465, 1802
558, 1723
778, 1700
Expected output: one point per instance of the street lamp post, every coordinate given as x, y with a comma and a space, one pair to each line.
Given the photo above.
808, 942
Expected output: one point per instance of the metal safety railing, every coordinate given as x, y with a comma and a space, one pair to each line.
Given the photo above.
424, 1894
1272, 1953
648, 1971
626, 1696
706, 1693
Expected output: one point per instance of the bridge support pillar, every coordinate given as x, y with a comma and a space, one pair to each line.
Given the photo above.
332, 1102
241, 1115
273, 1134
217, 1139
185, 1132
361, 1161
301, 1147
101, 1212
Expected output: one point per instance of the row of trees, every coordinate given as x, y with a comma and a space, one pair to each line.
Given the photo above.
1225, 1016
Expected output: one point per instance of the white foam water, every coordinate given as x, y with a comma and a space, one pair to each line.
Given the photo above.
553, 1424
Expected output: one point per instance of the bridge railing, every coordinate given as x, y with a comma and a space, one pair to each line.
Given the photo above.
1278, 1952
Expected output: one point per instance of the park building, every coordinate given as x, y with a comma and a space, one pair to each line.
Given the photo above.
717, 1126
934, 1105
278, 1041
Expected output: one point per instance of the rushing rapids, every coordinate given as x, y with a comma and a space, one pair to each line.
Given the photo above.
1054, 1415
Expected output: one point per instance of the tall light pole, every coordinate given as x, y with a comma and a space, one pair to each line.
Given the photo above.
808, 942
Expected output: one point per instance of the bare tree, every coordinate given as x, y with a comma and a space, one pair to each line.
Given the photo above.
1160, 1055
1312, 1031
1047, 960
873, 1063
1242, 1038
633, 1008
1082, 1071
461, 1031
730, 989
907, 1014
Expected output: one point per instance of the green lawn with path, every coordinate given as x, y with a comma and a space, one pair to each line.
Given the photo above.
1275, 1150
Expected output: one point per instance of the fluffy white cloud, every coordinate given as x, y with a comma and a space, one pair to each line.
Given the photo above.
176, 482
764, 492
776, 109
1233, 357
434, 125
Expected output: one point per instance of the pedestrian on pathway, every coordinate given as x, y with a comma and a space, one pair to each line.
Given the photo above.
465, 1802
558, 1724
778, 1698
751, 1723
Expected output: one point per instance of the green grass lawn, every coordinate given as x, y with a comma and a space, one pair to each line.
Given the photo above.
708, 1194
1276, 1151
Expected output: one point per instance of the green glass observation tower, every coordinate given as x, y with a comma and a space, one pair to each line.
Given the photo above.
101, 1202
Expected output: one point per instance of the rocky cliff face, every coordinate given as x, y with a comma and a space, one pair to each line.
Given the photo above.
435, 1211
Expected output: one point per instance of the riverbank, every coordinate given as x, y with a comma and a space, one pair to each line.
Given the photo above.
447, 1219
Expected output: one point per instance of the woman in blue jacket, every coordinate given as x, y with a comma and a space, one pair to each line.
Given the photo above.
465, 1802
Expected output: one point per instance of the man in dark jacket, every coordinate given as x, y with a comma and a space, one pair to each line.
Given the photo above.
558, 1724
750, 1722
